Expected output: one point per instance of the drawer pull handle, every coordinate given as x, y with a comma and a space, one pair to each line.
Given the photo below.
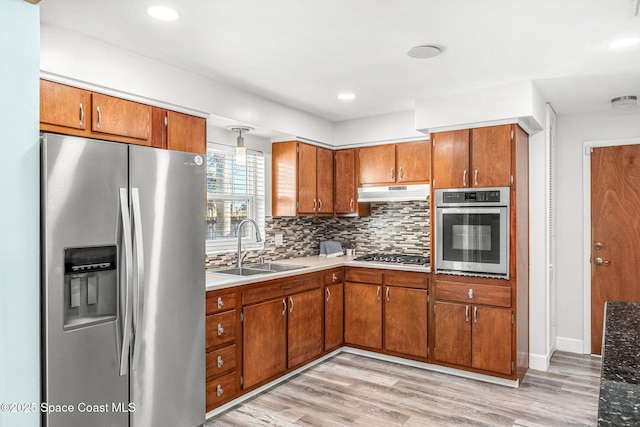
470, 293
220, 303
334, 278
220, 362
286, 288
220, 329
219, 390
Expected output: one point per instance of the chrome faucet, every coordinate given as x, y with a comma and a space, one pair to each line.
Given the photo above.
241, 254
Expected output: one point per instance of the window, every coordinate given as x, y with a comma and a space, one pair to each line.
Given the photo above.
234, 193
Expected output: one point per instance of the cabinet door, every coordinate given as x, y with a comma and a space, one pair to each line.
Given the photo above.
63, 106
119, 117
405, 320
186, 133
307, 203
324, 179
377, 164
363, 315
264, 341
305, 327
491, 156
451, 159
452, 333
491, 339
333, 316
345, 168
414, 161
284, 159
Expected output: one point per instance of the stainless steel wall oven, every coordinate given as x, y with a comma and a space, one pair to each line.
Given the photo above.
472, 232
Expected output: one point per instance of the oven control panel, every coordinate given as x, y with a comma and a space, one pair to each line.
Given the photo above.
461, 197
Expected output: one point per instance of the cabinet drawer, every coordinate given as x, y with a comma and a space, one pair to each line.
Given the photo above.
407, 280
221, 328
217, 302
220, 361
499, 296
364, 276
281, 289
221, 389
333, 277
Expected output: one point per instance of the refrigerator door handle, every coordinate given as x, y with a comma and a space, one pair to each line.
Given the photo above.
139, 296
126, 287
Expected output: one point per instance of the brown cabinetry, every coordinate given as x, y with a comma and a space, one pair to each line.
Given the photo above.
363, 314
478, 157
222, 323
178, 131
474, 326
282, 327
405, 320
302, 179
408, 162
333, 309
115, 117
64, 109
346, 188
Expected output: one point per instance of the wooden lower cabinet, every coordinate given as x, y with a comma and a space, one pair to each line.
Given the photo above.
452, 333
363, 315
405, 320
333, 316
304, 327
221, 389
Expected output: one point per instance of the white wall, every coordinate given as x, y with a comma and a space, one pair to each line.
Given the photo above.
572, 131
391, 127
19, 210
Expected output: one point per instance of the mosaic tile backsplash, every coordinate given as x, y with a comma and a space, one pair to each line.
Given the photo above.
395, 228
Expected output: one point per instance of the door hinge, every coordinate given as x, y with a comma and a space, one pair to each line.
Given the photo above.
241, 380
434, 310
429, 300
512, 366
588, 151
297, 148
428, 351
512, 135
434, 351
242, 316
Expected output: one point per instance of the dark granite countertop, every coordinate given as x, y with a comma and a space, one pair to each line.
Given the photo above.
620, 378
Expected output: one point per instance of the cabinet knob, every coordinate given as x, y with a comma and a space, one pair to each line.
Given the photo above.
219, 390
220, 303
220, 362
470, 293
220, 329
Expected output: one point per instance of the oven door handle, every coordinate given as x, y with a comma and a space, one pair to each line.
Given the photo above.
472, 210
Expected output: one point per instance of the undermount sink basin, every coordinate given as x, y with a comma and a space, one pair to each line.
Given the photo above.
246, 271
267, 266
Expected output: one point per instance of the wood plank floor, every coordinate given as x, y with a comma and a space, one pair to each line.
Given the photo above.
352, 390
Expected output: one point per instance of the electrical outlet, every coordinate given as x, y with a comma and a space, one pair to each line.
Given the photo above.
279, 240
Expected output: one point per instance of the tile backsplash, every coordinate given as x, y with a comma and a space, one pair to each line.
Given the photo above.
396, 228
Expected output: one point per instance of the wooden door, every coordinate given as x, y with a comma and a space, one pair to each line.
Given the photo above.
377, 165
121, 118
450, 158
615, 229
186, 133
304, 327
414, 162
65, 107
264, 341
333, 316
491, 339
345, 178
452, 333
324, 177
491, 156
307, 203
363, 315
405, 320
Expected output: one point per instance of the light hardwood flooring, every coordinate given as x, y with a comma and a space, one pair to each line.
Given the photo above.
352, 390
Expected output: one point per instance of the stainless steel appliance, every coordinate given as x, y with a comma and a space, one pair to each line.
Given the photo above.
416, 260
123, 288
472, 232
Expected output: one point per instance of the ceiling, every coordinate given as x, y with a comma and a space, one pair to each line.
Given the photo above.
303, 53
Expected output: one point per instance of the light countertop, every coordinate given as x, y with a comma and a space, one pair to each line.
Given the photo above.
311, 264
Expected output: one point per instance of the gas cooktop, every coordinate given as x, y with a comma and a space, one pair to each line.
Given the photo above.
396, 259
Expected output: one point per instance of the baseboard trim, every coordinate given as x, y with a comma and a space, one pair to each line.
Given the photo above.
571, 345
540, 362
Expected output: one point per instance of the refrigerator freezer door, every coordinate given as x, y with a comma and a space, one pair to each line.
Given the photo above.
168, 382
80, 209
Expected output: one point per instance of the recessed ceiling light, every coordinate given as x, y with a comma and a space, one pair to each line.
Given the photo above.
346, 96
424, 51
626, 42
162, 13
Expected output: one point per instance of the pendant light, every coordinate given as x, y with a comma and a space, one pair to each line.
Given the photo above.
241, 150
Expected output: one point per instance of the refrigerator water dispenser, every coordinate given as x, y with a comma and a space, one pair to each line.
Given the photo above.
90, 286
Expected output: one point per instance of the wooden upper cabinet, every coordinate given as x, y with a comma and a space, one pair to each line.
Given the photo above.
178, 131
284, 158
324, 182
345, 178
121, 118
491, 156
451, 159
307, 179
377, 164
413, 161
64, 108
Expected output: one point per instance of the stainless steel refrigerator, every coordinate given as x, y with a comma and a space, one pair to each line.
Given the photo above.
123, 288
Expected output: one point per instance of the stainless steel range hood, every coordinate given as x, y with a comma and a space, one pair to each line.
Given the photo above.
394, 193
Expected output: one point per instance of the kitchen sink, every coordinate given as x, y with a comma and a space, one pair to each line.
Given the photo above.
267, 266
246, 271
